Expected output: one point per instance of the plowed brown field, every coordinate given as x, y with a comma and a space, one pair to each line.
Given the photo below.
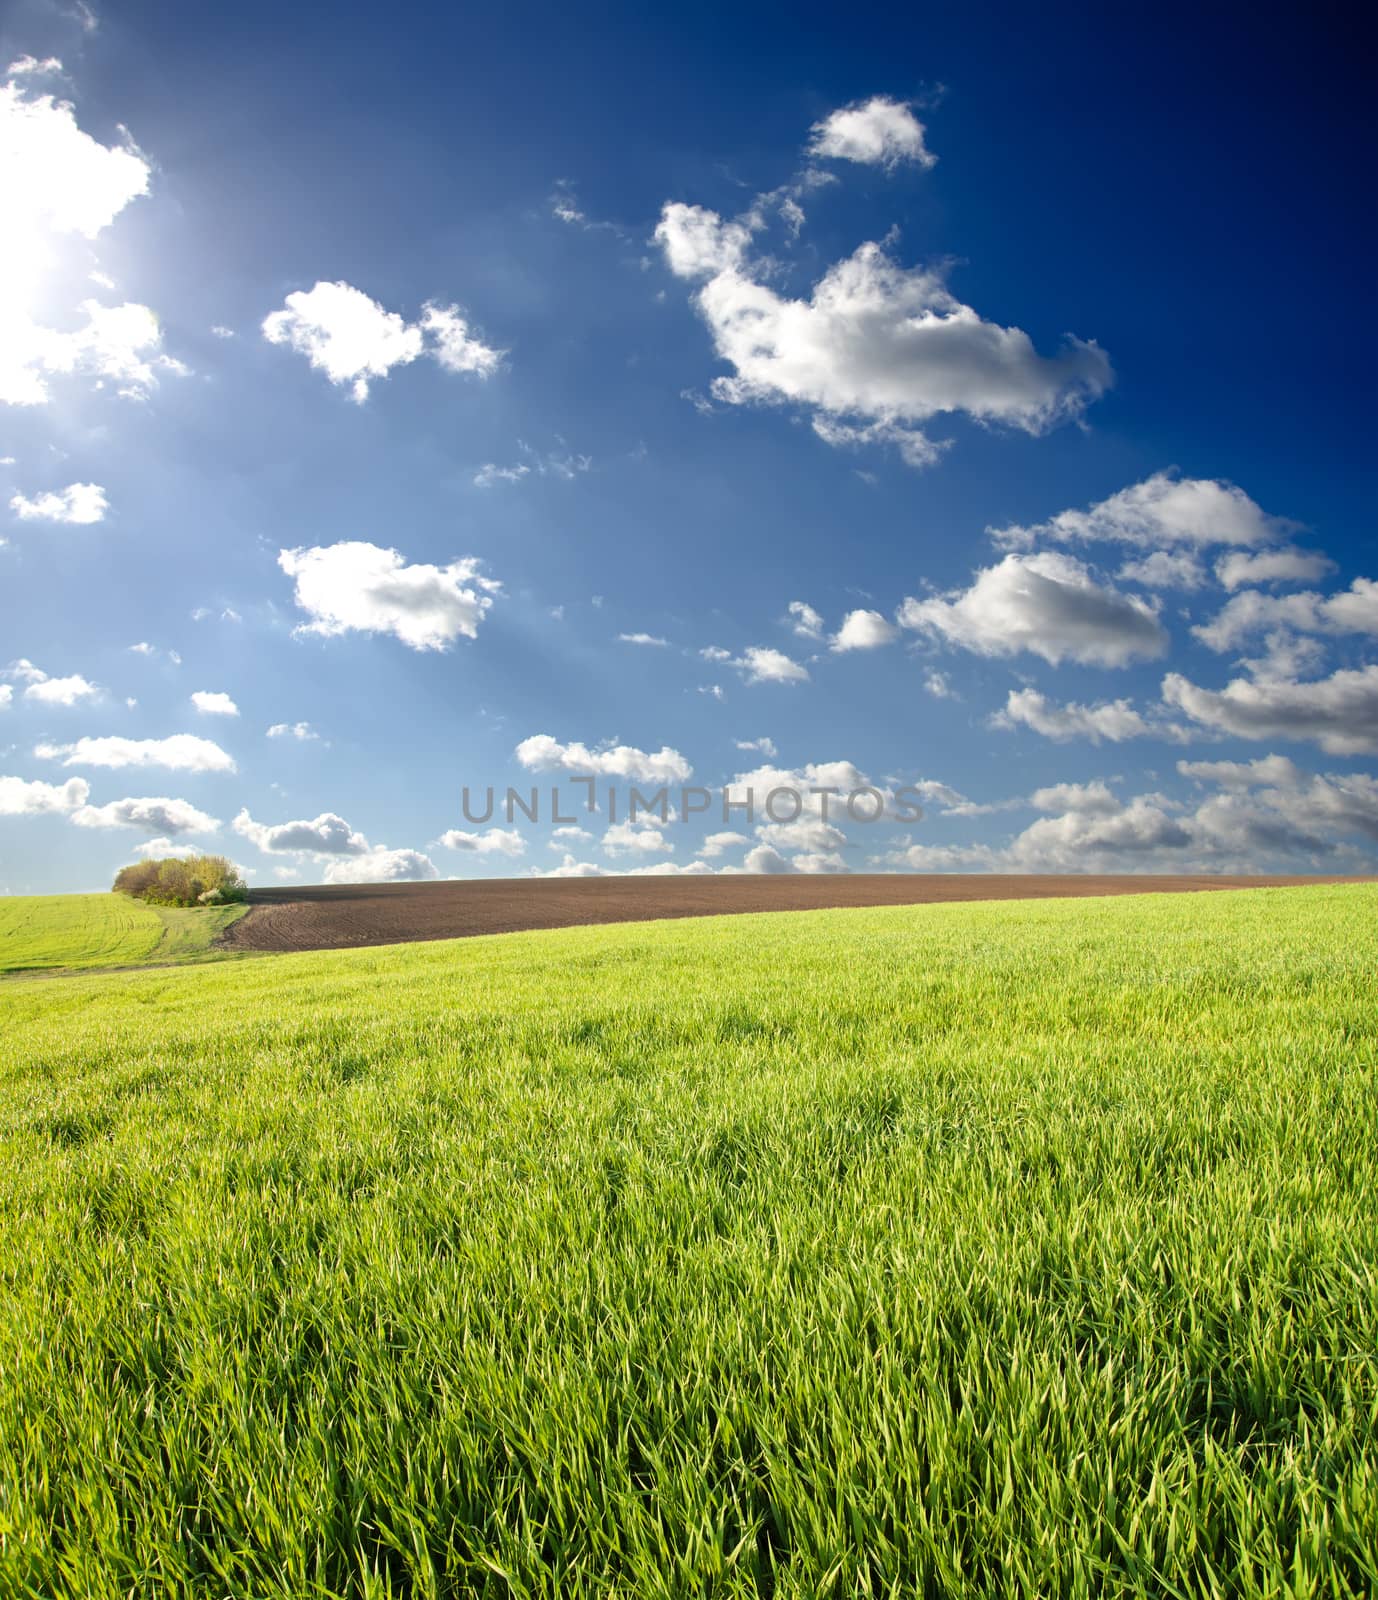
342, 916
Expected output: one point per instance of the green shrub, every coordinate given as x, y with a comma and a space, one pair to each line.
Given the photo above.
179, 881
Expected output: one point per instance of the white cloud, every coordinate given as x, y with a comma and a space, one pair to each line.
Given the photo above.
454, 345
1352, 610
355, 585
1115, 720
642, 638
762, 746
181, 752
58, 185
292, 730
382, 866
492, 841
220, 331
1092, 799
878, 132
639, 838
805, 621
1160, 513
1264, 815
68, 691
21, 798
353, 339
1047, 603
717, 844
1287, 565
914, 446
325, 835
542, 753
490, 473
1343, 804
159, 815
864, 630
120, 344
78, 503
6, 696
1165, 569
764, 859
698, 243
212, 703
569, 834
1339, 713
55, 178
568, 868
758, 664
938, 685
27, 65
161, 848
550, 465
345, 854
875, 343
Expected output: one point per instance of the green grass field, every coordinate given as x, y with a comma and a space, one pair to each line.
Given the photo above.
56, 931
996, 1249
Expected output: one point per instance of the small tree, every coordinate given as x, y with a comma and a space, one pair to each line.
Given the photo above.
183, 881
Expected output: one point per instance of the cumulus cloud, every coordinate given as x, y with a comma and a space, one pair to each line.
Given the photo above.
1163, 512
159, 815
212, 703
301, 731
864, 630
1115, 720
636, 838
491, 842
1286, 565
360, 586
353, 339
542, 753
57, 179
61, 185
180, 752
569, 867
1352, 610
1322, 806
875, 342
1048, 604
21, 798
78, 503
1339, 713
343, 852
878, 132
382, 866
327, 834
642, 638
1165, 569
6, 696
764, 858
120, 344
758, 664
762, 746
48, 691
1094, 799
718, 844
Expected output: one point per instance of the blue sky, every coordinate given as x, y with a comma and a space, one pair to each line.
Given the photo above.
964, 401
